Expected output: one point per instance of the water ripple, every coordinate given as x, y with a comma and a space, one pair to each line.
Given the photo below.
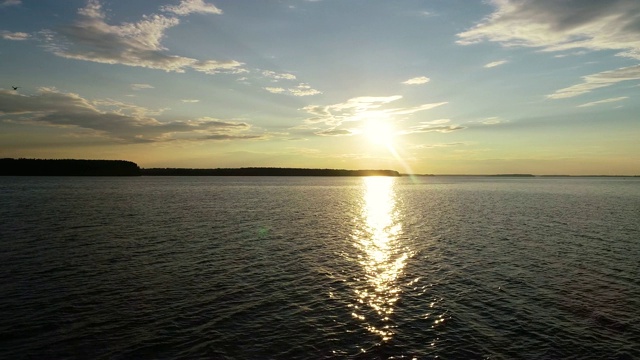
319, 268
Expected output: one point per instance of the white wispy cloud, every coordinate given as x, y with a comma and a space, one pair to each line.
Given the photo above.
436, 122
360, 109
303, 90
141, 86
138, 44
278, 76
187, 7
437, 125
417, 80
16, 36
218, 66
190, 100
299, 90
117, 121
573, 53
494, 120
335, 132
275, 90
410, 110
496, 63
10, 3
423, 127
351, 110
439, 145
553, 25
599, 80
610, 100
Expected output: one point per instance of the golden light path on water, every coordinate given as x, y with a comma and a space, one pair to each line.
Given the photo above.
381, 255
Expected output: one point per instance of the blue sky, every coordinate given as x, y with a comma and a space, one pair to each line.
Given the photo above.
432, 86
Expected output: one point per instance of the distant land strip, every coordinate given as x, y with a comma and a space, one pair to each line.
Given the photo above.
265, 171
79, 167
75, 167
67, 167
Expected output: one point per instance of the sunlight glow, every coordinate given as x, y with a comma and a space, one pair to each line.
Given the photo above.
379, 132
377, 127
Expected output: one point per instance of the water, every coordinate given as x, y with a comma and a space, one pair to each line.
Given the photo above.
317, 268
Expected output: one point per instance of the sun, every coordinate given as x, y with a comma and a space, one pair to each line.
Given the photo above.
378, 131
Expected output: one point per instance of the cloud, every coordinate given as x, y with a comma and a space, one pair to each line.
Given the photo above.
437, 125
278, 76
553, 25
431, 128
141, 86
360, 109
10, 3
137, 44
599, 80
494, 120
187, 7
351, 110
113, 120
233, 137
573, 53
334, 132
300, 90
275, 90
190, 100
604, 101
496, 63
303, 90
214, 66
16, 36
441, 145
436, 122
417, 80
411, 110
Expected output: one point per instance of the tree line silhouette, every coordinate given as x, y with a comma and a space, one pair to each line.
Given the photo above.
264, 171
68, 167
74, 167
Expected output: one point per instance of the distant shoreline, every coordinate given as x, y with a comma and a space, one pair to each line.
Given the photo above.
78, 167
67, 167
264, 171
74, 167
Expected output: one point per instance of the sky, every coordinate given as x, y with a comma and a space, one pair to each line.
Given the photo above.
417, 86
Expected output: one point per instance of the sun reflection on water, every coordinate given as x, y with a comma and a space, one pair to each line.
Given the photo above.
381, 255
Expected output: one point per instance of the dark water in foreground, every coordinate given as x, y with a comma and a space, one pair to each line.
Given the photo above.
313, 268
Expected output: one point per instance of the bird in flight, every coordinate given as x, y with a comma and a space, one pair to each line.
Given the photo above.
15, 87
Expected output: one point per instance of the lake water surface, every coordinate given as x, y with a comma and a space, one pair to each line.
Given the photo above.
319, 268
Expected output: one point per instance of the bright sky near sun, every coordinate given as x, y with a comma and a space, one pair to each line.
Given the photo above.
420, 86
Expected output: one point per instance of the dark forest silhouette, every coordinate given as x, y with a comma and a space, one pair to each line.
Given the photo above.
68, 167
72, 167
265, 171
